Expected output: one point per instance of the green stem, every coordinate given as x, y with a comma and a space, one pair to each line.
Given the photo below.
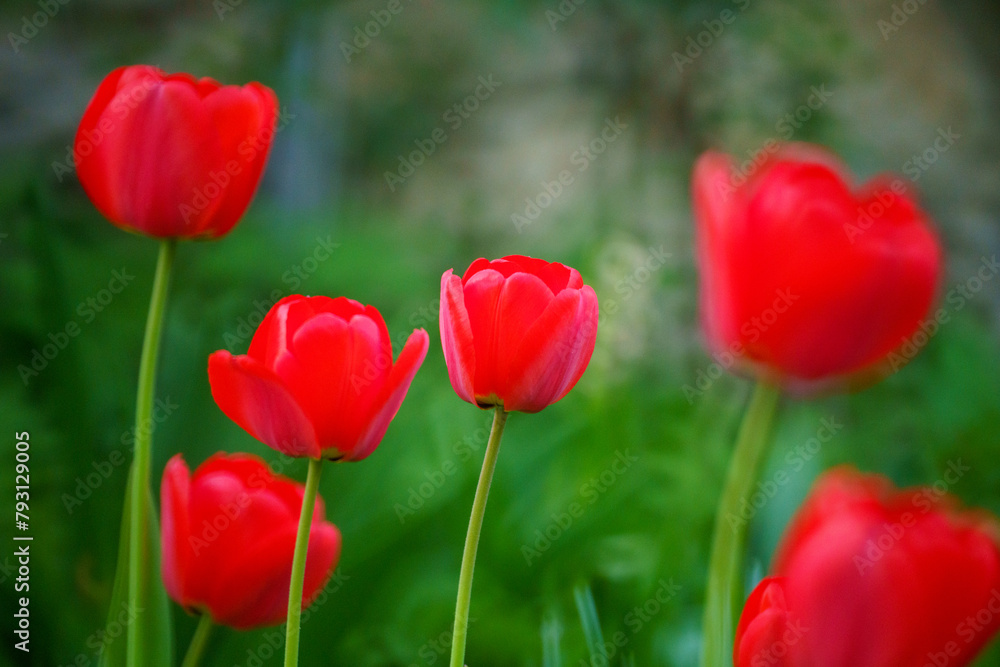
198, 642
725, 588
472, 539
144, 443
299, 564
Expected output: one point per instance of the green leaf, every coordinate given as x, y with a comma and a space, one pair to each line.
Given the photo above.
551, 635
587, 609
153, 614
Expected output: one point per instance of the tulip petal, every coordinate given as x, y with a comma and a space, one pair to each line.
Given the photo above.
555, 275
161, 178
244, 119
762, 625
456, 337
175, 527
336, 370
482, 296
713, 194
523, 299
255, 398
394, 391
555, 351
883, 577
93, 166
252, 589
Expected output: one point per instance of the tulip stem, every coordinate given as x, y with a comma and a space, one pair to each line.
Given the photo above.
472, 539
724, 594
299, 563
198, 641
141, 462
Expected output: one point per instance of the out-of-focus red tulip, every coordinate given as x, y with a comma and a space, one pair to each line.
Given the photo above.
805, 280
319, 379
872, 576
171, 155
517, 331
228, 537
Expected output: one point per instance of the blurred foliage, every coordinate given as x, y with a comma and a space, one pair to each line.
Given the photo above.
648, 526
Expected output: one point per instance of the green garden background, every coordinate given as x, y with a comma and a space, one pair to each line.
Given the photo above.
877, 82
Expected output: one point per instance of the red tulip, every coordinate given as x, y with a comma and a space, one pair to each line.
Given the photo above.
802, 278
171, 155
228, 537
319, 379
872, 576
517, 331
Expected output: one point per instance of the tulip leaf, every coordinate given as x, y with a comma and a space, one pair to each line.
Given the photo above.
153, 613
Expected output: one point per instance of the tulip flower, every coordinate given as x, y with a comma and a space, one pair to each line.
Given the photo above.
228, 534
172, 156
807, 283
807, 280
517, 332
319, 379
871, 576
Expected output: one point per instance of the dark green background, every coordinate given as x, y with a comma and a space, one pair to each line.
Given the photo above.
347, 124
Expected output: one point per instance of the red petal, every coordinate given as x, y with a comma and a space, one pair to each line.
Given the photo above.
255, 398
160, 160
393, 392
482, 296
523, 300
175, 529
244, 118
456, 337
335, 373
554, 353
252, 590
762, 624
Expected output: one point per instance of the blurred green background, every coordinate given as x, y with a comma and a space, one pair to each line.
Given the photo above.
563, 71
